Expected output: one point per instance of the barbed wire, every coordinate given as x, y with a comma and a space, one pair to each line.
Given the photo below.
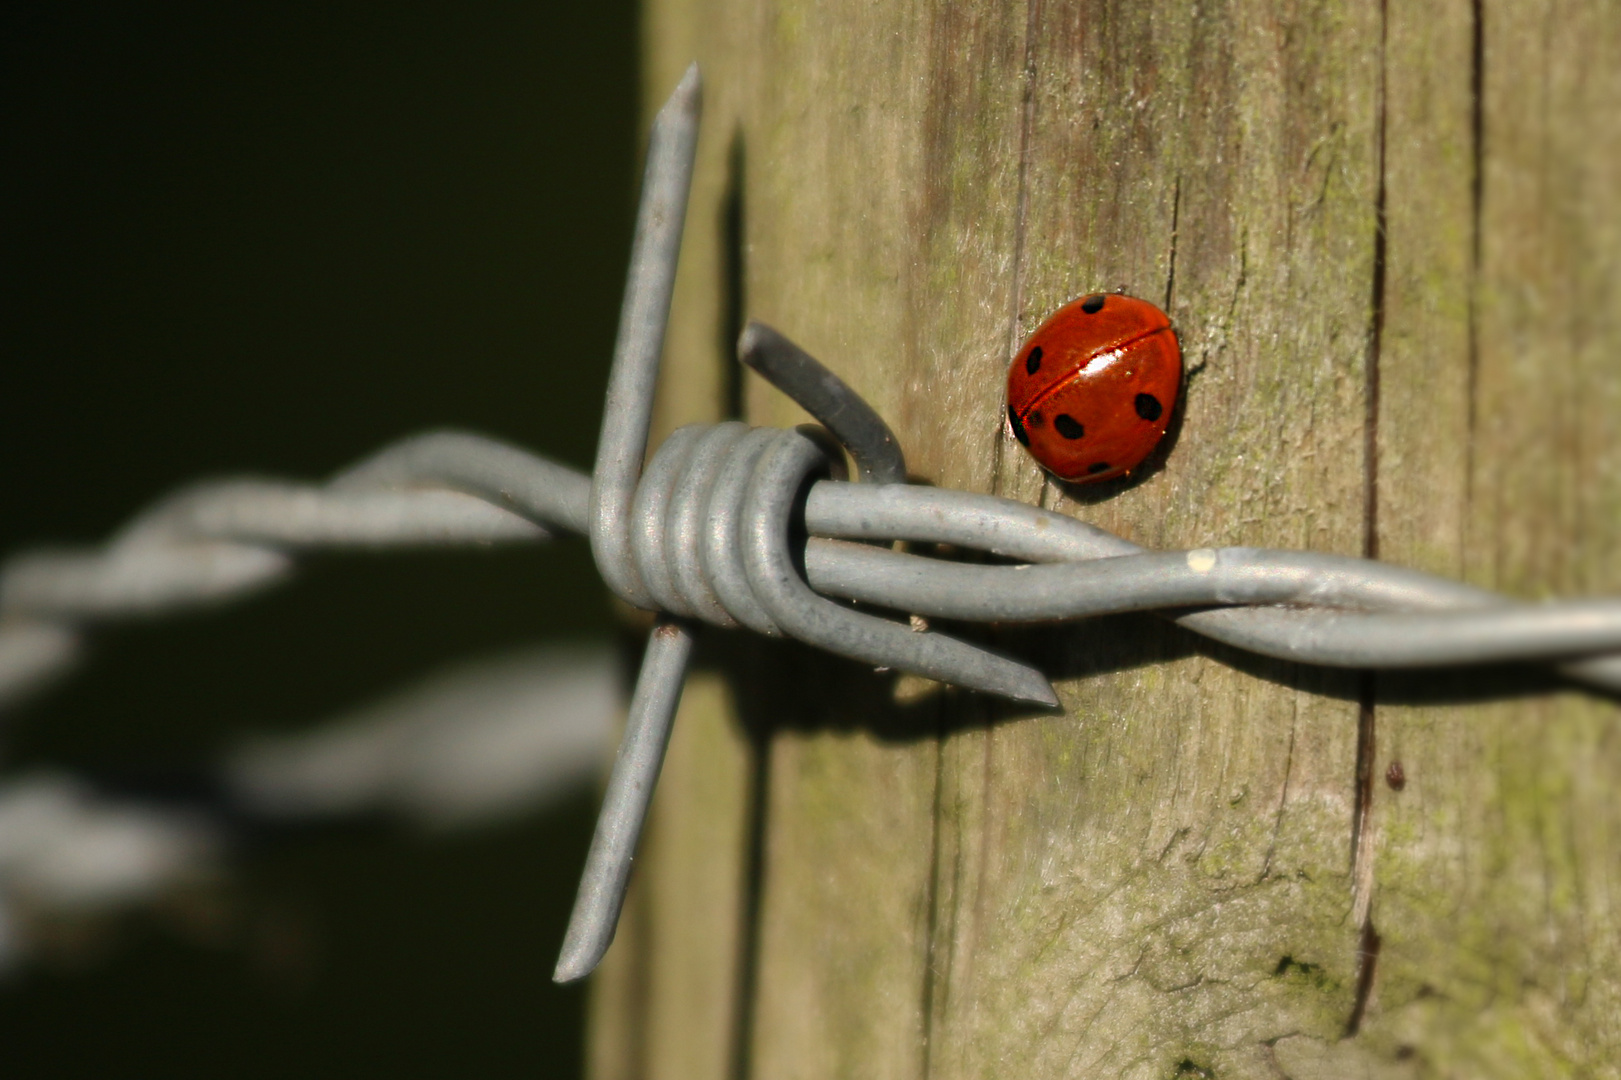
464, 747
704, 533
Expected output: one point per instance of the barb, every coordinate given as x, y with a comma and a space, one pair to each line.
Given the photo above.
824, 395
704, 536
624, 808
642, 321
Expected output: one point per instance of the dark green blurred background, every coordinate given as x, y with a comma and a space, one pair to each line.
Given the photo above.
270, 239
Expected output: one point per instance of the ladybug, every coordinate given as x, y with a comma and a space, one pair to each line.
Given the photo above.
1091, 392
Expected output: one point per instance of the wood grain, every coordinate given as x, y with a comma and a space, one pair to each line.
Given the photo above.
1389, 242
1497, 863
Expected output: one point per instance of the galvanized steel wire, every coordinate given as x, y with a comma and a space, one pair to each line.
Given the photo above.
704, 534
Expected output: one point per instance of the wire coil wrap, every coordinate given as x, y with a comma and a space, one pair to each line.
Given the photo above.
709, 535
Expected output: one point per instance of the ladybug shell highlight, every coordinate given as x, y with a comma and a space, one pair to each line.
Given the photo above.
1091, 392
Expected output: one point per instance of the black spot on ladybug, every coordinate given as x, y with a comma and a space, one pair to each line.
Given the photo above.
1068, 426
1148, 407
1099, 466
1032, 363
1092, 304
1018, 428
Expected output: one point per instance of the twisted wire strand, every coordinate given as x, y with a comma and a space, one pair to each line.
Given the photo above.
223, 540
712, 519
1369, 613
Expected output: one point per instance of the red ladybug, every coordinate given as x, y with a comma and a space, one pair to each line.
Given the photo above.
1091, 392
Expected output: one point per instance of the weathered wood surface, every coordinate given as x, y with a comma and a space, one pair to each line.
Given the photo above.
1391, 244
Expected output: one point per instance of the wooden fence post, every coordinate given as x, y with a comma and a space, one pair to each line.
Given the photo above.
1390, 239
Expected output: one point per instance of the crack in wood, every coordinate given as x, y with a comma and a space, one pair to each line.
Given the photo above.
1021, 211
1367, 966
931, 942
1477, 192
747, 977
1176, 217
1362, 852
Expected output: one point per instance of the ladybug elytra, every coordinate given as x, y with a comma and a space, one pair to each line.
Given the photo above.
1091, 392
